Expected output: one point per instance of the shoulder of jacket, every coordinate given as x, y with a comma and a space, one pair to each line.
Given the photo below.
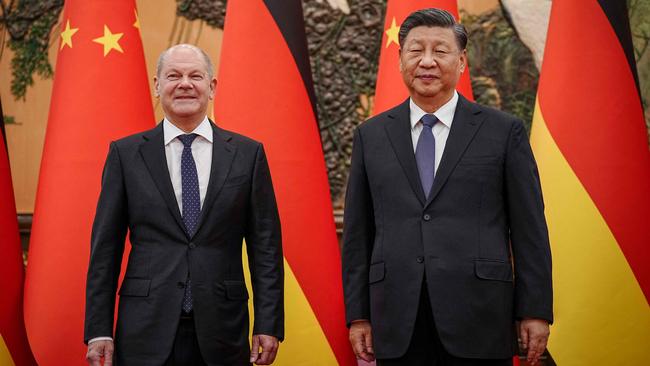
135, 139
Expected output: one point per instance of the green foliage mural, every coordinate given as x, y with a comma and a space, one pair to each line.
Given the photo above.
344, 50
503, 71
29, 24
639, 11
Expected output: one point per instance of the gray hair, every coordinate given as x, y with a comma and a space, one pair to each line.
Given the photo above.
206, 59
433, 17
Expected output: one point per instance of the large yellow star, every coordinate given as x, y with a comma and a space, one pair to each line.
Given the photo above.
109, 41
137, 20
392, 34
66, 35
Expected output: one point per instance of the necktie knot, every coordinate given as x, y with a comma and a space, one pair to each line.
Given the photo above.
429, 120
187, 139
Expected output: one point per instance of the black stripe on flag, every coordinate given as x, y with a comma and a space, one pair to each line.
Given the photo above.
616, 12
289, 18
2, 125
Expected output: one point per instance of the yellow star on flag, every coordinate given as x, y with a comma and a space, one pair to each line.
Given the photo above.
137, 20
66, 35
392, 34
109, 41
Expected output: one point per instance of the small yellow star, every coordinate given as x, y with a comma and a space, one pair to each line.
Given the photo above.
66, 35
392, 34
110, 41
137, 20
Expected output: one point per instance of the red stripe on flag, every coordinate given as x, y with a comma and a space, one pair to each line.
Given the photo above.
591, 106
12, 327
261, 94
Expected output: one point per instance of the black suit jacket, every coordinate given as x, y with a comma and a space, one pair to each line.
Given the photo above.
484, 212
137, 195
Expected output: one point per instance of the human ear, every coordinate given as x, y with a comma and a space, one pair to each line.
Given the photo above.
156, 87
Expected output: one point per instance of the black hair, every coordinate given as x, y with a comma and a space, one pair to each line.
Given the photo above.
433, 17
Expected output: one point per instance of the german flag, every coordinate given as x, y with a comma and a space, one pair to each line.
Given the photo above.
265, 91
591, 145
100, 94
14, 349
390, 89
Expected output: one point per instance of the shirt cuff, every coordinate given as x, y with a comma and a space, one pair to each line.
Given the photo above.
100, 339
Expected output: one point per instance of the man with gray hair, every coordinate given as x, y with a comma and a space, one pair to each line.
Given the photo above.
188, 193
443, 201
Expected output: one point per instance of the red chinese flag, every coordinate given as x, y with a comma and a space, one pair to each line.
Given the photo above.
14, 349
591, 144
390, 90
100, 94
268, 95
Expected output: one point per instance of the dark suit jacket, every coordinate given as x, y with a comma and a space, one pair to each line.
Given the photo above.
137, 195
484, 212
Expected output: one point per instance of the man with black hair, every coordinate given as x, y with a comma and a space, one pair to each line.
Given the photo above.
445, 242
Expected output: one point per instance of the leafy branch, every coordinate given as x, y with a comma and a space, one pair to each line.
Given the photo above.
29, 24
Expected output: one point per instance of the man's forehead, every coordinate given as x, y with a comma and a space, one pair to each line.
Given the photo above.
427, 33
184, 54
184, 58
183, 64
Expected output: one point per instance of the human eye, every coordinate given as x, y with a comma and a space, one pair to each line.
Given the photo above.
196, 77
173, 76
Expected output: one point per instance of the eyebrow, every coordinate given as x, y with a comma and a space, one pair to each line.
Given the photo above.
194, 71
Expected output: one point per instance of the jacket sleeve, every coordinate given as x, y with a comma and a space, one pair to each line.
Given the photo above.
106, 249
264, 248
528, 231
358, 237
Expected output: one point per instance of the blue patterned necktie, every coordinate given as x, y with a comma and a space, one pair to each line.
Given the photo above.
191, 198
425, 153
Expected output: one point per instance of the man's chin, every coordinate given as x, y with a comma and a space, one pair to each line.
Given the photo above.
428, 93
186, 112
188, 117
426, 89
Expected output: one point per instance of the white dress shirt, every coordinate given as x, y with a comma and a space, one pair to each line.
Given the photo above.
445, 115
202, 154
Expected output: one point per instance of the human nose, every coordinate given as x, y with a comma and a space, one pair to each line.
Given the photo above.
428, 59
185, 82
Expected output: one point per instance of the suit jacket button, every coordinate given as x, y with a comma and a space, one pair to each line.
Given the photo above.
426, 217
180, 284
192, 245
420, 259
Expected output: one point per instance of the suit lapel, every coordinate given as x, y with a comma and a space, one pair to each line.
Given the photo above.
223, 154
153, 153
398, 130
467, 120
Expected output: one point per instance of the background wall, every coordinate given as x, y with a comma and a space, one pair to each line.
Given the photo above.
505, 52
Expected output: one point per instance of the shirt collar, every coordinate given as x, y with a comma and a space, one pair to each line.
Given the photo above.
445, 114
170, 131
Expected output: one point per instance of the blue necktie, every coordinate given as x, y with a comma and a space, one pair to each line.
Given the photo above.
191, 198
425, 153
